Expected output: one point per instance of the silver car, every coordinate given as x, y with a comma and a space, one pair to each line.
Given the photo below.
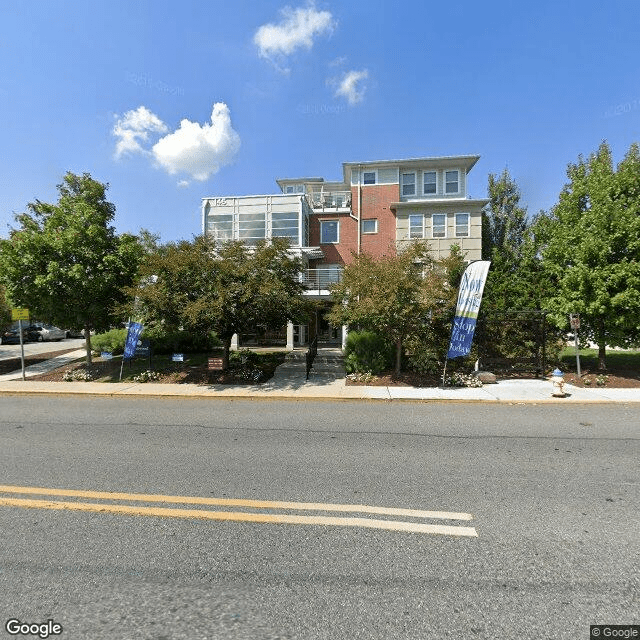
45, 332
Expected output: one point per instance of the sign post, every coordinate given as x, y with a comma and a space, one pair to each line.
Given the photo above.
20, 315
574, 319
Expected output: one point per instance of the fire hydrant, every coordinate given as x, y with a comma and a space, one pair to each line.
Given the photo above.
558, 384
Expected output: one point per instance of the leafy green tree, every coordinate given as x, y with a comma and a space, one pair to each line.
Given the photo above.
515, 294
504, 220
398, 296
65, 261
221, 287
592, 249
5, 310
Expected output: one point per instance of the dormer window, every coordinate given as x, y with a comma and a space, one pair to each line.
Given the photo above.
452, 181
408, 184
429, 181
294, 188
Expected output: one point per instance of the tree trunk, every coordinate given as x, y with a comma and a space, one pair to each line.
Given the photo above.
87, 344
602, 342
398, 356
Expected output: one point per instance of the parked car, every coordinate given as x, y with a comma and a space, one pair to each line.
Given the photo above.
12, 336
44, 332
75, 333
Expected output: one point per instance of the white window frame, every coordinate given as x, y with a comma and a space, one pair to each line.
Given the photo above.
403, 184
468, 225
416, 215
375, 225
375, 177
337, 240
447, 183
435, 184
433, 226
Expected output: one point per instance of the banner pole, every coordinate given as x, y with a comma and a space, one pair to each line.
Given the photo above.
444, 373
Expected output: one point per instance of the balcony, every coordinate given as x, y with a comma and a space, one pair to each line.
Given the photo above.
319, 280
330, 201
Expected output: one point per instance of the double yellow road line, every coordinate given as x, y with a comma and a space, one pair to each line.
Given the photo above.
115, 506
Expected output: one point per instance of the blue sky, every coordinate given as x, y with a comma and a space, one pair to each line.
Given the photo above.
170, 101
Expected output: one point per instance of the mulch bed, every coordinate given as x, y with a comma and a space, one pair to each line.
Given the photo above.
615, 379
176, 374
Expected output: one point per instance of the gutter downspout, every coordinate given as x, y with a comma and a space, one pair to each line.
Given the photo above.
359, 206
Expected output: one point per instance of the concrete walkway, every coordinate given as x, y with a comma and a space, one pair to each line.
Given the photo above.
326, 382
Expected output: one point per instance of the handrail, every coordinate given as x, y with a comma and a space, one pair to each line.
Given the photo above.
321, 278
312, 351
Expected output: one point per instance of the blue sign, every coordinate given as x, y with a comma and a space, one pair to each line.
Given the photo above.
177, 357
135, 329
469, 298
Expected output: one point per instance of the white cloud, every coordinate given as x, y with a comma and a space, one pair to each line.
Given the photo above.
296, 30
351, 86
199, 150
133, 128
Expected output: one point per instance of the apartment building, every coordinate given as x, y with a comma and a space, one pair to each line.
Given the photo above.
377, 208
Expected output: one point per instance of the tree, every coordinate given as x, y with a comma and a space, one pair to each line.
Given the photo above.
66, 263
504, 221
592, 249
225, 288
5, 310
516, 288
397, 296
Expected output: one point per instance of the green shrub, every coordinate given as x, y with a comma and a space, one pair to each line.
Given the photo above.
163, 342
113, 340
366, 351
423, 361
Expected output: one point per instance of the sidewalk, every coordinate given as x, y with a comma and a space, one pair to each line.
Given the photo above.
326, 382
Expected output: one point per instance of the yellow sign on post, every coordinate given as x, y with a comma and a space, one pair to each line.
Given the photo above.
19, 314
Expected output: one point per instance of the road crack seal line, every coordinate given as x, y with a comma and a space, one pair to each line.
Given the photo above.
237, 516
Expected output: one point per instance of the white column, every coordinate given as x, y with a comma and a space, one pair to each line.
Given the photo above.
290, 336
344, 336
303, 333
234, 342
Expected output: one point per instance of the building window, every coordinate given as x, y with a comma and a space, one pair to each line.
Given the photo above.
416, 226
251, 227
408, 184
452, 182
220, 226
439, 225
294, 188
370, 226
329, 231
429, 182
462, 225
369, 177
285, 225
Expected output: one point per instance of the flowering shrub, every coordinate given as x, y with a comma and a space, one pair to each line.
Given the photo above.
77, 375
363, 376
147, 376
463, 380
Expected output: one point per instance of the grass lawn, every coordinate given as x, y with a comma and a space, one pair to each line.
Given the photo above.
623, 368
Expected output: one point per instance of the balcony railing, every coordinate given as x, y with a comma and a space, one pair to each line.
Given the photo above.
329, 200
321, 279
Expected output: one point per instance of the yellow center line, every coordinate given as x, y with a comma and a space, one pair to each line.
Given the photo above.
228, 502
104, 508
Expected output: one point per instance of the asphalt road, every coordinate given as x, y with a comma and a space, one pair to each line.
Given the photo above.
9, 351
552, 493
